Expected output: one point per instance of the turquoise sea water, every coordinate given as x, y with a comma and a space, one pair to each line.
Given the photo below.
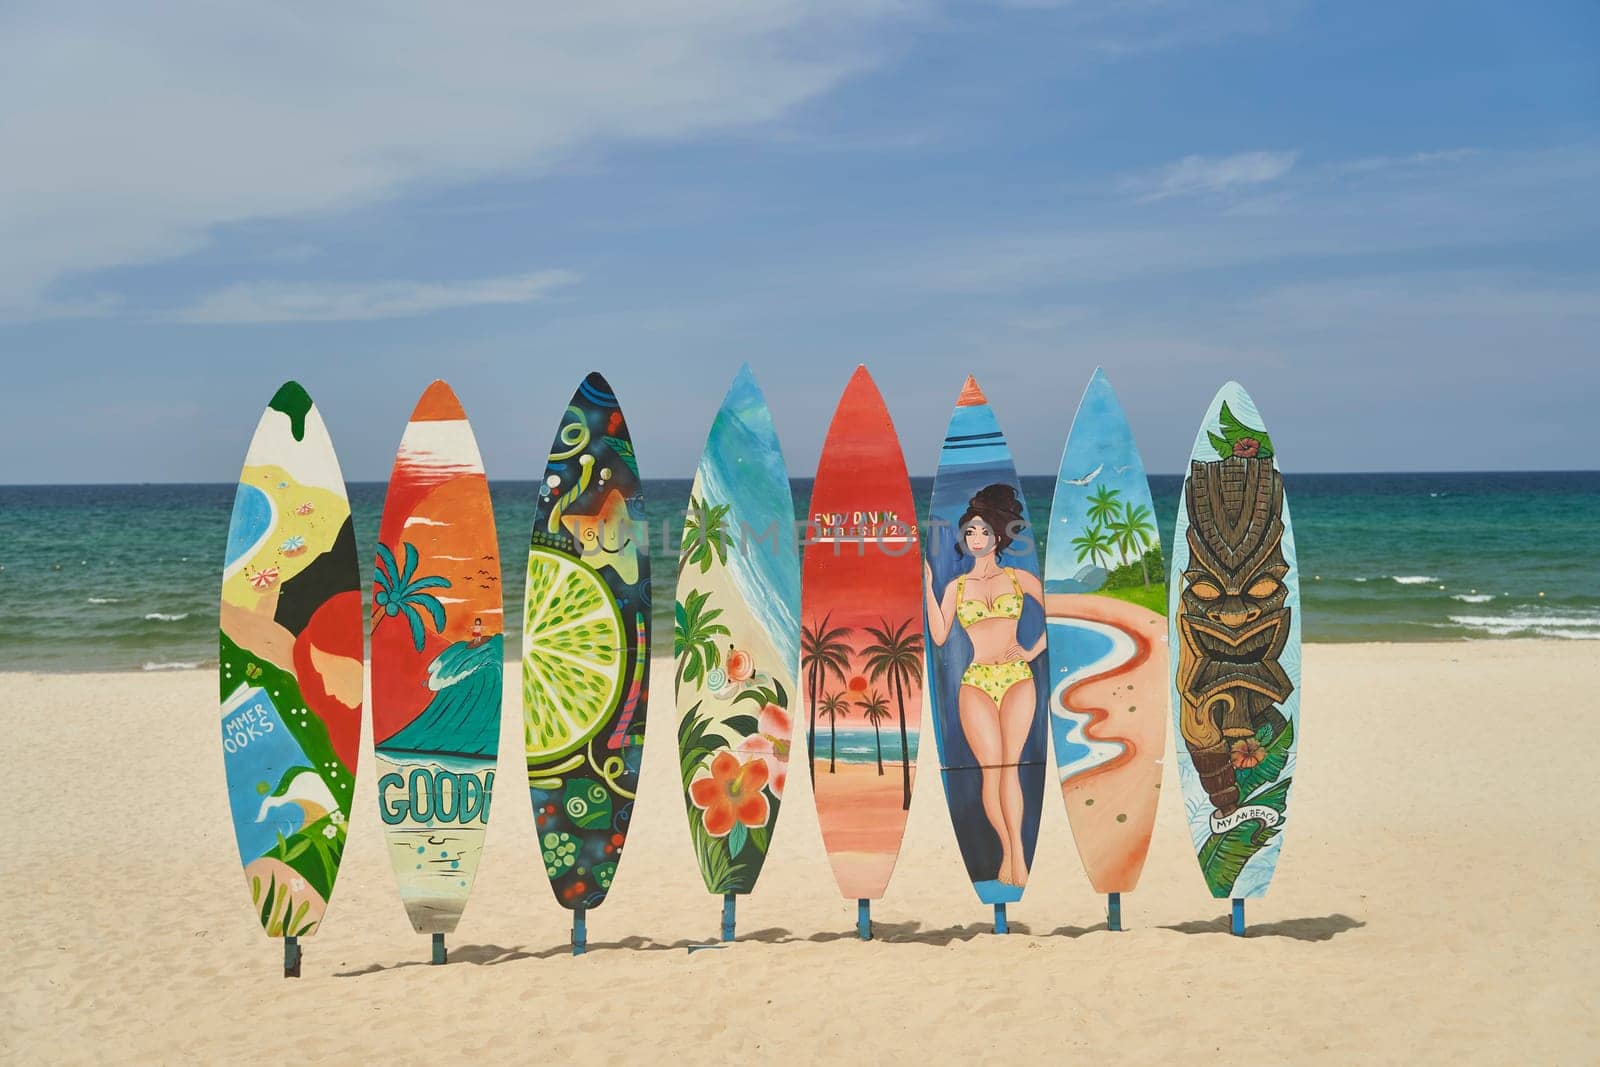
126, 577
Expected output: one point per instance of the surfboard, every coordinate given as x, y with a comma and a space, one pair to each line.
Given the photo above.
1235, 633
586, 649
290, 667
861, 641
1106, 600
437, 659
988, 662
736, 641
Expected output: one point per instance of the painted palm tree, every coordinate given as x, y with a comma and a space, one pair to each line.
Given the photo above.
1093, 545
400, 592
833, 706
1132, 531
875, 709
823, 651
705, 534
895, 658
694, 633
1103, 505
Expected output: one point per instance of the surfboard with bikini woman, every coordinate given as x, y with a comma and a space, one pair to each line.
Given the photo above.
988, 663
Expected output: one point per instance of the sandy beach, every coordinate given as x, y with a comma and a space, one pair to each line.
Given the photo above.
1435, 902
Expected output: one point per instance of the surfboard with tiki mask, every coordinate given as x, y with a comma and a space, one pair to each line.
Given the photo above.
737, 643
586, 648
861, 642
1106, 597
1235, 635
437, 663
290, 667
987, 657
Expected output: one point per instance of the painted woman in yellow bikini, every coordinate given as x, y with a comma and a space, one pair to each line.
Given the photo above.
996, 701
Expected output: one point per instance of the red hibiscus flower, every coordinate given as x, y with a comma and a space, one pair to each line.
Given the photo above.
732, 793
1247, 448
770, 744
1247, 753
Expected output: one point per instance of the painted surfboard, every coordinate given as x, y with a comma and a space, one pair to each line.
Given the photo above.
1106, 599
861, 641
437, 660
1235, 634
586, 648
290, 667
984, 613
736, 641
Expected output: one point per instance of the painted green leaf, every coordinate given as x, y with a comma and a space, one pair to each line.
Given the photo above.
1224, 855
624, 450
743, 725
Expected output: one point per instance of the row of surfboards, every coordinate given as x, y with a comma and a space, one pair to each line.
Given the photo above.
888, 613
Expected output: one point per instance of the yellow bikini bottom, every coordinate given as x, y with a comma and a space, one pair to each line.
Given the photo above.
996, 679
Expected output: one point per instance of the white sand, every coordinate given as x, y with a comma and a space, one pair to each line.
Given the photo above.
1436, 902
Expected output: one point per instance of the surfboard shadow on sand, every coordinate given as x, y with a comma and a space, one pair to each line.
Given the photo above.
1308, 928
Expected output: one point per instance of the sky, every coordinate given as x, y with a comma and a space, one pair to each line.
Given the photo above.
1381, 219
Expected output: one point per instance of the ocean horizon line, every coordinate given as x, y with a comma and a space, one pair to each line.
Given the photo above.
1290, 474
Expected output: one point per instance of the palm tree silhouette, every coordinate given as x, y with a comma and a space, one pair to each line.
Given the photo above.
895, 656
693, 634
833, 706
400, 592
823, 651
875, 708
1132, 533
705, 534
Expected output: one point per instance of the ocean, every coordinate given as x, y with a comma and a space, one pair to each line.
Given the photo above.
125, 577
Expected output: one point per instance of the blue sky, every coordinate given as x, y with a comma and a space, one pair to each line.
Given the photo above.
1380, 218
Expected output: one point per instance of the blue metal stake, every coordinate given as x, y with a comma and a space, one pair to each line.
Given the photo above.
864, 918
291, 957
1238, 916
999, 918
580, 936
727, 916
439, 954
1114, 912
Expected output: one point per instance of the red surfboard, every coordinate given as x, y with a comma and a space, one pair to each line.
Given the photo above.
861, 642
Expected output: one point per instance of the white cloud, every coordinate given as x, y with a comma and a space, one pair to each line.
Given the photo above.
263, 302
130, 131
1194, 175
1486, 199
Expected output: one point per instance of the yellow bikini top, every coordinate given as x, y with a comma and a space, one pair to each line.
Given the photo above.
1005, 606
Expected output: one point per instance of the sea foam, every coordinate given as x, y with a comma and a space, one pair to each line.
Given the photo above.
1414, 579
157, 616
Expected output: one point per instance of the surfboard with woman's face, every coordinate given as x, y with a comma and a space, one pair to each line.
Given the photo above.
988, 663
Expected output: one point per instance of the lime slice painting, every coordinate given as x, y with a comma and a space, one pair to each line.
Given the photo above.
573, 650
586, 647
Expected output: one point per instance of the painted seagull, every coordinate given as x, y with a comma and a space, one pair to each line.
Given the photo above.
1087, 478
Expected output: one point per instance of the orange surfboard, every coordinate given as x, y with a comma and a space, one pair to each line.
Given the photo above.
861, 643
437, 661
